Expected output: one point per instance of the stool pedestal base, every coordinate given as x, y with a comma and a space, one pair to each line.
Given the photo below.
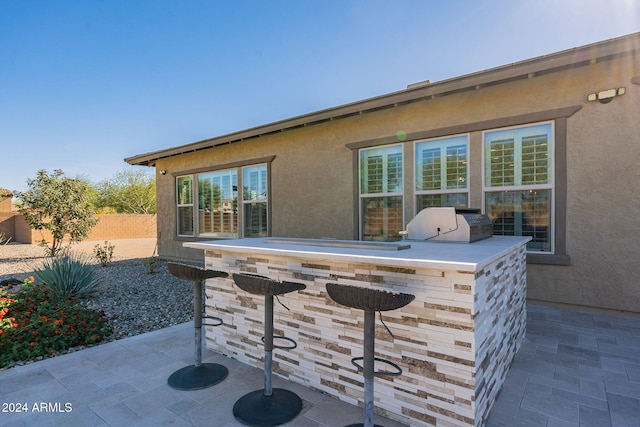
197, 377
369, 300
270, 406
258, 410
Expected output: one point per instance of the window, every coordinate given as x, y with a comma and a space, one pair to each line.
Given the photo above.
442, 172
184, 193
518, 183
381, 193
254, 180
218, 203
218, 200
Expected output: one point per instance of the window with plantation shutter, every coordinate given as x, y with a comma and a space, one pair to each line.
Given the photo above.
184, 192
442, 172
381, 193
218, 203
254, 200
223, 211
518, 183
515, 172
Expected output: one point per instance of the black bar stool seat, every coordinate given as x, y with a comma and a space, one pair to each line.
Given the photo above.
370, 300
270, 406
261, 285
199, 375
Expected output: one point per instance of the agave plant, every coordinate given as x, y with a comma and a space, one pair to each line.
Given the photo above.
4, 240
69, 275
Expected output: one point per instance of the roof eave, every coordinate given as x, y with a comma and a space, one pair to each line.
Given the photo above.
581, 56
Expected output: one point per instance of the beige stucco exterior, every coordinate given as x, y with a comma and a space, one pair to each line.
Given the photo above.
313, 174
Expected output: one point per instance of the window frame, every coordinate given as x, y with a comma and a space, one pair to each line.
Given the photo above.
239, 167
518, 185
179, 205
382, 195
559, 116
218, 173
443, 145
245, 203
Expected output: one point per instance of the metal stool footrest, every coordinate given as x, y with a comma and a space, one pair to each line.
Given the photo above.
286, 347
218, 320
398, 369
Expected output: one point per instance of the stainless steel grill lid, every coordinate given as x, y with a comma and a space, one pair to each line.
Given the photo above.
449, 224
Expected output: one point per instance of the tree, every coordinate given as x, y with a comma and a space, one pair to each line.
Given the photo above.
60, 205
4, 193
128, 191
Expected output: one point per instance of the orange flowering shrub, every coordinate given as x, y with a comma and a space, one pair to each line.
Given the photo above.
5, 321
35, 321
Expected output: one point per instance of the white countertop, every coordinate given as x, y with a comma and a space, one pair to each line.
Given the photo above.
469, 257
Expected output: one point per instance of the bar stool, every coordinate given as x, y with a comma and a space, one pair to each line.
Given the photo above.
199, 375
269, 406
369, 300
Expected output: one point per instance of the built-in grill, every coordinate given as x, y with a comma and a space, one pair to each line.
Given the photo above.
449, 225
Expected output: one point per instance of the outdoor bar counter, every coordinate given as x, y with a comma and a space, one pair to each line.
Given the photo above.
454, 342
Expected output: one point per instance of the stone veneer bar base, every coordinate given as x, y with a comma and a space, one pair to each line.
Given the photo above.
455, 341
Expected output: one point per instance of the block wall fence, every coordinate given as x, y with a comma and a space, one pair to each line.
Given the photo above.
109, 227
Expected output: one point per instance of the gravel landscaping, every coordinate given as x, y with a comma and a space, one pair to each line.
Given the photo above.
134, 300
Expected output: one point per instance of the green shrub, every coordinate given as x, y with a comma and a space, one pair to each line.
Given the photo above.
68, 275
35, 321
150, 263
103, 253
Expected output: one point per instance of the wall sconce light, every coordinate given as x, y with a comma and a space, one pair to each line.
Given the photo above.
606, 96
163, 172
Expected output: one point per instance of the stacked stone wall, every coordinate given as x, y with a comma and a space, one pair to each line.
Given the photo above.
454, 342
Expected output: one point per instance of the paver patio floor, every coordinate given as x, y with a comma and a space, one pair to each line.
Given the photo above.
574, 369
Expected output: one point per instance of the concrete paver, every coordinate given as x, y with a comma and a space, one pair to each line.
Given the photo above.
574, 368
124, 383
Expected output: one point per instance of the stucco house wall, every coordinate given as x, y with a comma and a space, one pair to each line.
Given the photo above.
603, 152
314, 175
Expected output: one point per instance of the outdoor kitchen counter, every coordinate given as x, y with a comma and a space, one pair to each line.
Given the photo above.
447, 255
454, 342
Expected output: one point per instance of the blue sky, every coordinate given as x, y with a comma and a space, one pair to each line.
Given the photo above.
86, 83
